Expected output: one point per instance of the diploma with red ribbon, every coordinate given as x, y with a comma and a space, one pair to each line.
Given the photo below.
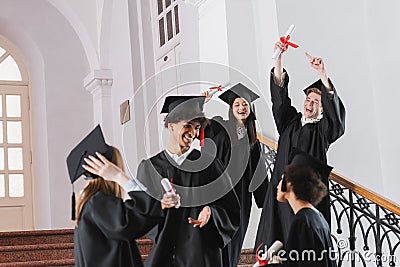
215, 89
264, 255
285, 41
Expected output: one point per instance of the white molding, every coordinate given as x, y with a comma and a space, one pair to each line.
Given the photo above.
98, 78
99, 83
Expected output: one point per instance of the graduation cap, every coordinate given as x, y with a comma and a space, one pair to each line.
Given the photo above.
240, 91
92, 143
183, 103
318, 84
303, 159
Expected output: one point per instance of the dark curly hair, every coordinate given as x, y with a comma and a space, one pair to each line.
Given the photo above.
187, 115
305, 183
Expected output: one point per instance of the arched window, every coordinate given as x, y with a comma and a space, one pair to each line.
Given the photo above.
15, 152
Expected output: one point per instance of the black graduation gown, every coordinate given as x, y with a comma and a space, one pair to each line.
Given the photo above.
313, 138
177, 242
309, 243
106, 232
241, 168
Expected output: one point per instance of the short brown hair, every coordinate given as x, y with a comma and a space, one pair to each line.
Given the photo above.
306, 184
313, 90
195, 115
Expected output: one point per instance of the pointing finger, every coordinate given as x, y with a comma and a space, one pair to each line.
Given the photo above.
310, 57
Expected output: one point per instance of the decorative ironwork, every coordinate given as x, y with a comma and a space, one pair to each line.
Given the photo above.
365, 233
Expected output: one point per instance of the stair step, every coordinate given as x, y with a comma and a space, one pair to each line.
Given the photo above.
36, 247
247, 257
36, 237
67, 262
28, 253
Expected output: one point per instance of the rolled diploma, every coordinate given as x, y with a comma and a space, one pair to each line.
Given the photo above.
168, 189
278, 51
275, 247
213, 92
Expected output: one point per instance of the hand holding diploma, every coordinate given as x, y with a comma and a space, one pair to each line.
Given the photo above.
213, 90
284, 40
203, 218
170, 198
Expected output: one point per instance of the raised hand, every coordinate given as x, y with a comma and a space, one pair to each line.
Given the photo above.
207, 95
204, 217
316, 63
103, 168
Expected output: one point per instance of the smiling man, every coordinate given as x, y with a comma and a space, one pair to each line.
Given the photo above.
194, 233
313, 131
201, 217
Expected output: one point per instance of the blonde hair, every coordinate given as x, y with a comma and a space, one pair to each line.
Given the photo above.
313, 90
99, 184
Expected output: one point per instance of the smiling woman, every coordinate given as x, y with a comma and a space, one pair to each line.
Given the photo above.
239, 150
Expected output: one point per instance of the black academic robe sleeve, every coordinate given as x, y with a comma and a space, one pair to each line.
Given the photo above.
121, 220
225, 212
259, 175
217, 132
282, 108
334, 114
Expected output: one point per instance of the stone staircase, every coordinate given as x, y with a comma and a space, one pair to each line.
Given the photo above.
56, 248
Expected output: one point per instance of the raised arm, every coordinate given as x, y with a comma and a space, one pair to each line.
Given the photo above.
333, 108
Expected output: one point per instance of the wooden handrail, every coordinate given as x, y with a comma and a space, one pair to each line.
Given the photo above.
348, 183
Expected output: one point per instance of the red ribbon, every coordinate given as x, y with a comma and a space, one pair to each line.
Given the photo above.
285, 41
261, 262
219, 88
201, 137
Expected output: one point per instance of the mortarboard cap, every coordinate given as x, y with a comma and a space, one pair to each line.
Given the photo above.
92, 143
239, 90
303, 159
318, 84
183, 103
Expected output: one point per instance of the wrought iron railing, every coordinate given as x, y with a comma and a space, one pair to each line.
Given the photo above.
365, 225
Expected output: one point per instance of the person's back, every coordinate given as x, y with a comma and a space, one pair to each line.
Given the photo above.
309, 241
106, 226
105, 233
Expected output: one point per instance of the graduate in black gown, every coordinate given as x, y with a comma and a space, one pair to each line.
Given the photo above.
194, 232
239, 150
106, 226
309, 243
321, 124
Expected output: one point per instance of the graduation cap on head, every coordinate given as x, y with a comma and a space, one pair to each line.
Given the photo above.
303, 159
239, 91
92, 143
318, 84
188, 108
183, 103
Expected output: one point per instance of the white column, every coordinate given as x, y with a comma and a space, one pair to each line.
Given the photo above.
99, 83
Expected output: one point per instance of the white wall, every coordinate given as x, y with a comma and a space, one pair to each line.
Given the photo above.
56, 64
